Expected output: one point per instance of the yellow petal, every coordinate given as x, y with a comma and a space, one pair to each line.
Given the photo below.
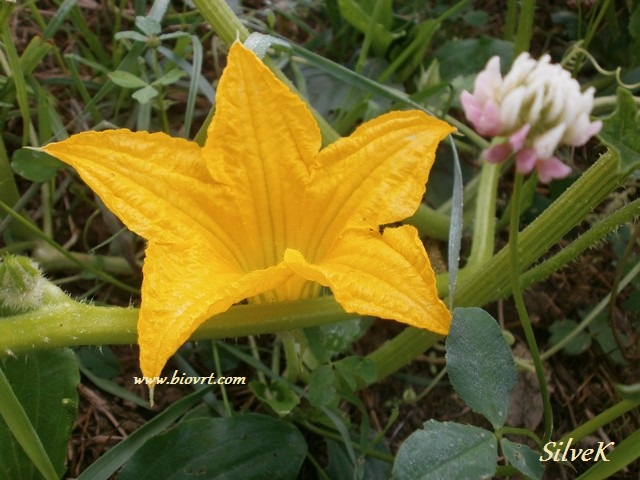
156, 184
262, 140
386, 275
183, 286
375, 176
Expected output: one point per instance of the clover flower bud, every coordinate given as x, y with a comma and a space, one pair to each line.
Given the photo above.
535, 108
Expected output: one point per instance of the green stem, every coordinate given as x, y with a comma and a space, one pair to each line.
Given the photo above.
162, 112
226, 24
520, 431
595, 234
600, 420
253, 346
71, 323
323, 432
514, 271
291, 356
430, 223
51, 260
510, 20
223, 388
624, 454
525, 26
485, 219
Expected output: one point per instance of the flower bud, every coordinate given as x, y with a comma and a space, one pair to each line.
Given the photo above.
535, 108
21, 285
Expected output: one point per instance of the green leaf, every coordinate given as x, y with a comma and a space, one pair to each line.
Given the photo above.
322, 390
326, 341
44, 382
526, 460
629, 392
277, 395
602, 333
480, 363
469, 56
144, 95
447, 450
101, 361
248, 446
353, 13
130, 35
100, 370
357, 372
35, 165
170, 77
149, 26
621, 132
126, 79
560, 329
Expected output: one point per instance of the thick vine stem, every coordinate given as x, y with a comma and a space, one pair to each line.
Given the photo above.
71, 323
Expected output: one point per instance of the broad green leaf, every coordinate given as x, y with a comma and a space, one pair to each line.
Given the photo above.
447, 450
44, 382
560, 329
480, 364
277, 395
248, 446
621, 131
33, 165
126, 79
527, 461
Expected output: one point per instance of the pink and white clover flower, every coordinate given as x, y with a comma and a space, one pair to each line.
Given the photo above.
532, 110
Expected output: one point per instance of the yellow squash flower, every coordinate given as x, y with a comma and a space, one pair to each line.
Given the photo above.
261, 213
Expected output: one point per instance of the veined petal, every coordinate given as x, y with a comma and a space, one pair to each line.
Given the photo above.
262, 140
386, 275
373, 177
183, 286
156, 184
